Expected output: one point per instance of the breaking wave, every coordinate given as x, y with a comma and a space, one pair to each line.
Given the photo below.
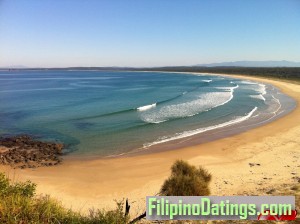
147, 107
200, 130
260, 97
203, 102
248, 83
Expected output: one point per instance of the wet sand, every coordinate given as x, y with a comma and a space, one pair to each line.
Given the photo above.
252, 162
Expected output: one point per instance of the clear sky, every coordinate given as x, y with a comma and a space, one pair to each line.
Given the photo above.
59, 33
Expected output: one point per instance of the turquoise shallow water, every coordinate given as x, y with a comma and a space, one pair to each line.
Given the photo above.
109, 113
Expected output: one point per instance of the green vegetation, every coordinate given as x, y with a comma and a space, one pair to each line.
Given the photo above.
282, 73
20, 204
186, 180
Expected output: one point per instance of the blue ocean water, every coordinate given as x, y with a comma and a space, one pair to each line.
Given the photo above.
110, 113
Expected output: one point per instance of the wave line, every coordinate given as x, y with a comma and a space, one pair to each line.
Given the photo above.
147, 107
200, 130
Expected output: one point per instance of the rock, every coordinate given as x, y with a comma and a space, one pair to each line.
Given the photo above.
25, 152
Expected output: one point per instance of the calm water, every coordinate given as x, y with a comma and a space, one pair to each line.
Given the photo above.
109, 113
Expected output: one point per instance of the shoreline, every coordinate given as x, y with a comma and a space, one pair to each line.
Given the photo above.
96, 183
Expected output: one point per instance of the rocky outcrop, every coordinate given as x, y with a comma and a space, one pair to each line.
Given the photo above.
26, 152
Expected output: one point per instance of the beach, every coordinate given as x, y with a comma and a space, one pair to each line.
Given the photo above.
254, 162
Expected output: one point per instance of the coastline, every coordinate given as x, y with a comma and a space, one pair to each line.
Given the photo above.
96, 183
204, 135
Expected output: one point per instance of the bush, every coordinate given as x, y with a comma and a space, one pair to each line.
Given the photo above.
25, 189
186, 180
19, 204
110, 217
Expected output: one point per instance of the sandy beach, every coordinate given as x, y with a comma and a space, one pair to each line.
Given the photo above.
257, 162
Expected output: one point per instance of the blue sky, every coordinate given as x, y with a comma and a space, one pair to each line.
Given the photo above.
59, 33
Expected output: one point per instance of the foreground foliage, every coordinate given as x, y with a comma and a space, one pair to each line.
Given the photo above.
20, 204
186, 180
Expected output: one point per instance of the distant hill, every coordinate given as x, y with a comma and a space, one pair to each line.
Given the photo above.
248, 64
253, 64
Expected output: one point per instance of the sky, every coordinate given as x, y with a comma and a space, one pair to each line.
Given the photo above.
147, 33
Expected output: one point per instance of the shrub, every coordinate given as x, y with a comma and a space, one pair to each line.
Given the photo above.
26, 189
115, 216
186, 180
19, 204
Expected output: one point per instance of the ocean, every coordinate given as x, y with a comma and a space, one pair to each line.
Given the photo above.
108, 113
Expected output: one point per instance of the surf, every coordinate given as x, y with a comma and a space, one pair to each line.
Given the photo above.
202, 103
185, 134
147, 107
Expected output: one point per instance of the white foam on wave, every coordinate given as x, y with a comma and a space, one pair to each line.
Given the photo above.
205, 102
278, 103
248, 83
206, 80
147, 107
260, 97
262, 89
258, 87
231, 89
200, 130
